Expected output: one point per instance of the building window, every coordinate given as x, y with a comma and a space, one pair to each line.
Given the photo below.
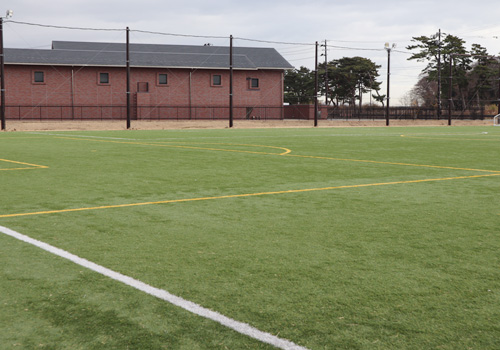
104, 78
162, 79
216, 80
253, 83
38, 77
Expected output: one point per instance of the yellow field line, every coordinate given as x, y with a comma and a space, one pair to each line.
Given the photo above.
185, 147
286, 150
12, 169
286, 153
241, 195
31, 166
393, 163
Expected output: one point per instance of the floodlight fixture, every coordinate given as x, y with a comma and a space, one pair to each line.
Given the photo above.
389, 46
9, 14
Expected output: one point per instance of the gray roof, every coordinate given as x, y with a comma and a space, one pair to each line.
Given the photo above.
71, 53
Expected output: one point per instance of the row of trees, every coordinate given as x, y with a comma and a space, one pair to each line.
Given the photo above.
475, 73
344, 81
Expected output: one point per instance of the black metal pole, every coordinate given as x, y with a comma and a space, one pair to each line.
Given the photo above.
388, 83
231, 81
2, 78
450, 93
439, 77
128, 78
326, 74
316, 87
498, 88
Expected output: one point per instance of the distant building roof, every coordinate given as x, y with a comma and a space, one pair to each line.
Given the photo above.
72, 53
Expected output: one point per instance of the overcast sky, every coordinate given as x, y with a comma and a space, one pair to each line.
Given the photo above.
351, 28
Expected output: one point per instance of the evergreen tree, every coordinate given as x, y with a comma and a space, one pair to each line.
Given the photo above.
299, 86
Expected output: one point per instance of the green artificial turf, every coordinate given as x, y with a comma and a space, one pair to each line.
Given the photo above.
341, 238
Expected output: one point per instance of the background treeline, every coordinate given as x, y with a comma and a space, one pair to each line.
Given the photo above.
475, 77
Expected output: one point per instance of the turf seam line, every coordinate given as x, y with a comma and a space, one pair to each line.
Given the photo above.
240, 327
449, 138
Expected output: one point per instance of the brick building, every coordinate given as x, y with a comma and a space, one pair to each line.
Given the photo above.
87, 80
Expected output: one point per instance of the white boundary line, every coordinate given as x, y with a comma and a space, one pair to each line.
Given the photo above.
239, 327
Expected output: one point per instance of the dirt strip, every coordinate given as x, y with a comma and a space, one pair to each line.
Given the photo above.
222, 124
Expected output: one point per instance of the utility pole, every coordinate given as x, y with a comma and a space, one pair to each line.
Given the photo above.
439, 76
326, 74
2, 71
2, 76
316, 87
128, 78
450, 93
231, 81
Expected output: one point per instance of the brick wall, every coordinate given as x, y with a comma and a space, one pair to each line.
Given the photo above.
66, 86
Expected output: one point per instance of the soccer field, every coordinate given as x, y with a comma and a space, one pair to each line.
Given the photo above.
328, 238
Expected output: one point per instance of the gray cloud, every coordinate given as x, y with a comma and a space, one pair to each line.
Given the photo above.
354, 24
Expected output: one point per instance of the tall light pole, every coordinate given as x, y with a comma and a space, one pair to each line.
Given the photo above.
439, 76
326, 72
316, 87
388, 48
128, 75
2, 71
231, 112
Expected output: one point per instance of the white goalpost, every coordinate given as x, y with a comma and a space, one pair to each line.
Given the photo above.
496, 120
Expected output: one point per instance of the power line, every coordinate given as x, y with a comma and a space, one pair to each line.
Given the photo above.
354, 41
181, 35
300, 59
294, 51
64, 27
405, 52
161, 33
352, 48
275, 42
